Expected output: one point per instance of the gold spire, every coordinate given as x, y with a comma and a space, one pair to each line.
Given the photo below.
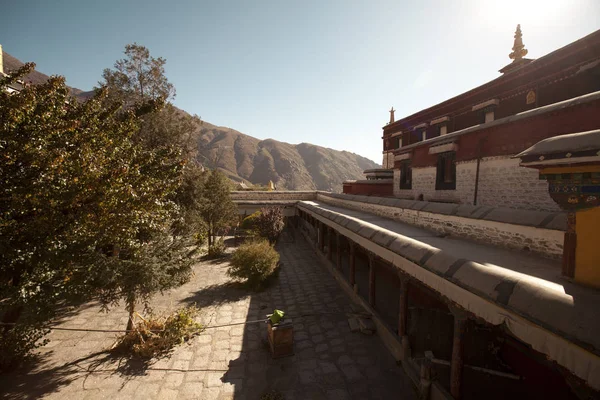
392, 115
518, 51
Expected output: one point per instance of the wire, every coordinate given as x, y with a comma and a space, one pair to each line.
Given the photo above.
58, 328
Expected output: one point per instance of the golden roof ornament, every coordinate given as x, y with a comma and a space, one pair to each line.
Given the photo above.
518, 51
392, 119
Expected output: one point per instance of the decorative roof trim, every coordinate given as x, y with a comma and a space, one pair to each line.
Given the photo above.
586, 98
443, 148
492, 102
562, 161
403, 156
439, 120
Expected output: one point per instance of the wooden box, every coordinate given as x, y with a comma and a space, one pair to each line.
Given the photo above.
281, 338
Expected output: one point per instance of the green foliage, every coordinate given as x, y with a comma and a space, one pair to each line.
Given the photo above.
189, 197
155, 336
86, 209
218, 211
138, 76
255, 262
270, 223
217, 249
17, 344
251, 221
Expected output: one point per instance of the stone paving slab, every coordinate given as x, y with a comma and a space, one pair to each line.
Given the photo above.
230, 362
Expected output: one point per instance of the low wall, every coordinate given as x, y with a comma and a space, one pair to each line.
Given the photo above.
375, 187
539, 232
275, 195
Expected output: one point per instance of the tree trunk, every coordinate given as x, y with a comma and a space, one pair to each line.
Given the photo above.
131, 309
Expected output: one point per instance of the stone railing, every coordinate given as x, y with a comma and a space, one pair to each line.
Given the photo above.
275, 195
536, 231
541, 232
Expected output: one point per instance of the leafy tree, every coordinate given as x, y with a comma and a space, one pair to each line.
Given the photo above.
85, 209
270, 223
218, 210
139, 78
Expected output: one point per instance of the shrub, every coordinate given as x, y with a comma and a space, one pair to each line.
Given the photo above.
251, 221
255, 262
270, 223
217, 249
155, 336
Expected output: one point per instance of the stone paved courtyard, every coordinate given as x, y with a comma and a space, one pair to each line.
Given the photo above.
231, 362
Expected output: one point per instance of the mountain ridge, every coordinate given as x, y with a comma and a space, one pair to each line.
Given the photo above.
244, 158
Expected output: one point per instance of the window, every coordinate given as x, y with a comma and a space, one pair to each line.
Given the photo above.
442, 130
417, 136
486, 115
398, 142
405, 175
446, 172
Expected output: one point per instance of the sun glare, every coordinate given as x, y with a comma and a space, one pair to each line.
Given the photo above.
526, 12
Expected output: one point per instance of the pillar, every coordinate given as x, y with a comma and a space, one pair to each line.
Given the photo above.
403, 317
352, 277
330, 244
403, 309
372, 279
321, 236
457, 363
339, 251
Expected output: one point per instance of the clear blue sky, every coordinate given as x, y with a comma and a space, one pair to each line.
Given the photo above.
323, 72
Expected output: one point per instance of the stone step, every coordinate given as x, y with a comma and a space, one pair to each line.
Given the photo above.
367, 326
354, 325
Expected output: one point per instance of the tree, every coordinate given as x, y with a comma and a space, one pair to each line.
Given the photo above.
85, 209
140, 78
218, 210
270, 223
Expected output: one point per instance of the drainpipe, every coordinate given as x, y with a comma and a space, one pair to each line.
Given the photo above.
479, 146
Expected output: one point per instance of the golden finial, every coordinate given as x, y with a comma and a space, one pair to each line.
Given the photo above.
392, 115
518, 51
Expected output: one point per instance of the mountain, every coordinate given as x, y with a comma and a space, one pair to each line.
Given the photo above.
244, 158
301, 166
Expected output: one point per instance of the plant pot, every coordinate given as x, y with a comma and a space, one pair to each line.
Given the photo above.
281, 338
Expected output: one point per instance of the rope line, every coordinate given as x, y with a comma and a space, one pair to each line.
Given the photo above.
58, 328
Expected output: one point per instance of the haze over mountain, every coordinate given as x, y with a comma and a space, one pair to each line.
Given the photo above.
245, 158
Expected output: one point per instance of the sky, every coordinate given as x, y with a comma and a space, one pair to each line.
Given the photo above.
322, 72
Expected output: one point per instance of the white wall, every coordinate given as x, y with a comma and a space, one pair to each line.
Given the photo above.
502, 183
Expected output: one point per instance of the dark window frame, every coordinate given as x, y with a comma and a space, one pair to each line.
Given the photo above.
445, 177
405, 175
396, 142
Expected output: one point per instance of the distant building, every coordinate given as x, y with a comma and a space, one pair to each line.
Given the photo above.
242, 186
460, 150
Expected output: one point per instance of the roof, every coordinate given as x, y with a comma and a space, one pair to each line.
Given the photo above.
580, 45
450, 137
517, 291
574, 142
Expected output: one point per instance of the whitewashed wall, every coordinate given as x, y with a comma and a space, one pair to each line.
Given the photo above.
502, 183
